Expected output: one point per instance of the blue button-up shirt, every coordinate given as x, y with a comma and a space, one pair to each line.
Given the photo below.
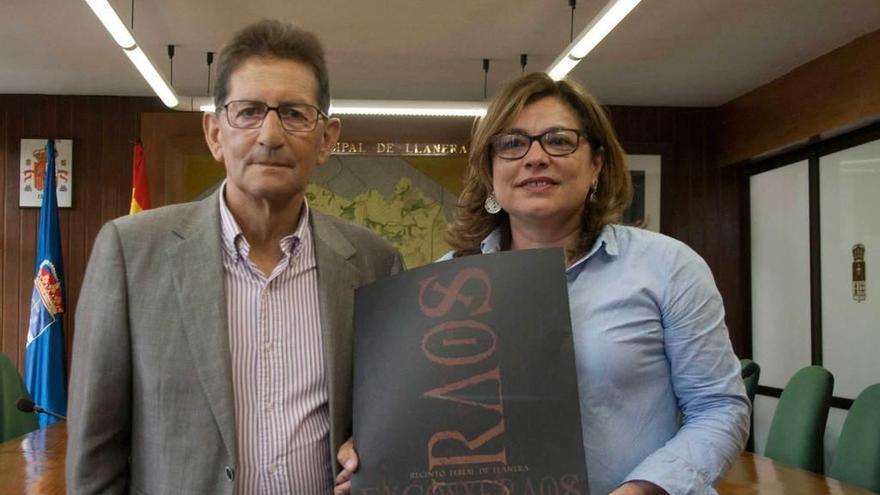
650, 340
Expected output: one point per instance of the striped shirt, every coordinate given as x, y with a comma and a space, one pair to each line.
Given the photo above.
282, 418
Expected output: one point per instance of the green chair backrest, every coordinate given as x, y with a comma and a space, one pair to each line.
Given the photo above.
857, 459
798, 427
13, 423
751, 372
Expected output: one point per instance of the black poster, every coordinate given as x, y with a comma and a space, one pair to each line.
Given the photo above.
464, 380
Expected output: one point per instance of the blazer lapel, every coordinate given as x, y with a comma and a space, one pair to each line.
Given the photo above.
199, 282
337, 279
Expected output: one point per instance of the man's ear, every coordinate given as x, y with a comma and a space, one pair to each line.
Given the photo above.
329, 137
211, 127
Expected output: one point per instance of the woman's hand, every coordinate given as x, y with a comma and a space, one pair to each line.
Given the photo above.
349, 460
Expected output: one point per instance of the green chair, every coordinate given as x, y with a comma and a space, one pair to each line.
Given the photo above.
796, 433
751, 372
13, 423
857, 459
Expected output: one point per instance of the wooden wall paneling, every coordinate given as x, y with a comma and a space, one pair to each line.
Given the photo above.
700, 202
59, 129
103, 129
76, 223
708, 181
63, 129
837, 91
35, 121
6, 304
674, 184
167, 137
689, 218
11, 233
109, 128
87, 198
127, 132
4, 116
733, 254
710, 185
89, 128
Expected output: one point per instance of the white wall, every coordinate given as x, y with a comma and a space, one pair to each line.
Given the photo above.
849, 195
780, 258
762, 414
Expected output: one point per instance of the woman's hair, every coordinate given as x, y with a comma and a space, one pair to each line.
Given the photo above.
473, 223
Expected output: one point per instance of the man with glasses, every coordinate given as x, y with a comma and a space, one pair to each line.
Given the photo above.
213, 343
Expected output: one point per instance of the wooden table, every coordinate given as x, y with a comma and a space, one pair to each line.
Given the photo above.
752, 473
34, 464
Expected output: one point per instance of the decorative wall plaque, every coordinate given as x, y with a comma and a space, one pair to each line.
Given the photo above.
858, 273
33, 172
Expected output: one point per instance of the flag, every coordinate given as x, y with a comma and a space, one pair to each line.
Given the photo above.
140, 193
44, 354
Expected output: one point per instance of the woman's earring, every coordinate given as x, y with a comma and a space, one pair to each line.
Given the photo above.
593, 189
491, 205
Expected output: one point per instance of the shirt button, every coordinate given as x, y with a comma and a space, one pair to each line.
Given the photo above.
230, 473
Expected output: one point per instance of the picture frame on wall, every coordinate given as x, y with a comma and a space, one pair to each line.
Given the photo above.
644, 210
32, 172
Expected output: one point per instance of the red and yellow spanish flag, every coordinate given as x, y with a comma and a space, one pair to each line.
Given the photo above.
140, 193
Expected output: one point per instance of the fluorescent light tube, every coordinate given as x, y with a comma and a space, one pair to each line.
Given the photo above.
112, 23
562, 67
397, 107
408, 107
154, 79
592, 35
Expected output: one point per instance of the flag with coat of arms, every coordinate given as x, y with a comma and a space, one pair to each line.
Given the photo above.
44, 356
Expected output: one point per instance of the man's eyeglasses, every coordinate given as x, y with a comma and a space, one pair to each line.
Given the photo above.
555, 142
295, 117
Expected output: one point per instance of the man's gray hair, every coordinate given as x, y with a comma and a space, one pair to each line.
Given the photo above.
272, 39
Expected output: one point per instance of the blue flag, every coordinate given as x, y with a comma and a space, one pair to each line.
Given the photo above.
44, 358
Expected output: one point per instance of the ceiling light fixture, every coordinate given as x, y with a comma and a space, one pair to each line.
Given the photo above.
152, 76
485, 78
210, 60
112, 23
124, 39
408, 107
596, 30
411, 108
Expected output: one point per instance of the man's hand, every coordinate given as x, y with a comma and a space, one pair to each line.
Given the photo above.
638, 488
349, 460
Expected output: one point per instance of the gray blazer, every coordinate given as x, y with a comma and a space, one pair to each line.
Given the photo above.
151, 407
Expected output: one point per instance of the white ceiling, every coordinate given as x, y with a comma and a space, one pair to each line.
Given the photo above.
666, 53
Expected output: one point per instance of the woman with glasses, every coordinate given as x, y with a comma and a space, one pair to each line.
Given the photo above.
546, 170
